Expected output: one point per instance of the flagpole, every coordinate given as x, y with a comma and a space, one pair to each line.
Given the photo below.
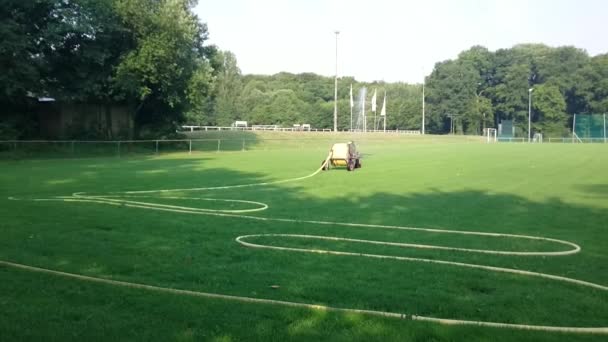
351, 118
375, 123
384, 110
374, 105
364, 116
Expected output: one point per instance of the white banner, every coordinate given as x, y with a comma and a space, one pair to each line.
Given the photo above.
374, 102
383, 111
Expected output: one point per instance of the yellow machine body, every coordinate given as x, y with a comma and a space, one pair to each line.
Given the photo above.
344, 154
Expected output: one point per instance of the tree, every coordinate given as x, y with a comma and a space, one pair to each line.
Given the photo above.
484, 113
550, 110
168, 54
88, 42
23, 28
451, 90
592, 88
228, 87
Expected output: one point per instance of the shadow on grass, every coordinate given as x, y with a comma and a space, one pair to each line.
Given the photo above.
596, 190
199, 253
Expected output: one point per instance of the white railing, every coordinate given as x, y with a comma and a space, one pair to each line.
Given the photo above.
511, 139
394, 131
192, 128
577, 140
276, 128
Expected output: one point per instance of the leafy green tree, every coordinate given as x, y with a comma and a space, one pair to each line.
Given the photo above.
228, 88
88, 43
592, 89
451, 90
198, 95
24, 29
549, 110
484, 113
168, 53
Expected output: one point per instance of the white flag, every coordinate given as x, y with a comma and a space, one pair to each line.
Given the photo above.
383, 111
352, 103
374, 102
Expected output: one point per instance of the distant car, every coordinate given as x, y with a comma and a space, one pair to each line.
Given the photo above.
343, 154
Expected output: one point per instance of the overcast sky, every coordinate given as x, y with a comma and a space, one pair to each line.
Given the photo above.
392, 40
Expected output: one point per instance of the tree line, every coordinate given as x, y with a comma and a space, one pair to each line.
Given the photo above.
479, 89
153, 57
483, 88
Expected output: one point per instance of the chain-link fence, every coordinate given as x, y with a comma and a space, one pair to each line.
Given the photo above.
589, 128
81, 149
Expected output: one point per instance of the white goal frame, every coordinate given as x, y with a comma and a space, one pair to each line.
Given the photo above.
491, 135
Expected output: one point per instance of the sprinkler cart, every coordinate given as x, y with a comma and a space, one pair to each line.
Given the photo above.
343, 154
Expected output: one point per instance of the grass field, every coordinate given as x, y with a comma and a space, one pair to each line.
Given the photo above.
554, 191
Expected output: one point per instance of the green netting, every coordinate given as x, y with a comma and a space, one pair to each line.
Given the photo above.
590, 126
505, 129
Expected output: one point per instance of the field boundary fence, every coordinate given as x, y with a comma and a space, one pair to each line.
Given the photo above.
119, 148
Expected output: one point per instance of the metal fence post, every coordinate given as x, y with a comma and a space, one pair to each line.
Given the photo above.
190, 148
156, 146
218, 145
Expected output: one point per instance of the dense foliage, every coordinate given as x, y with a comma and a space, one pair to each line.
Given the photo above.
484, 87
286, 99
480, 88
151, 56
145, 54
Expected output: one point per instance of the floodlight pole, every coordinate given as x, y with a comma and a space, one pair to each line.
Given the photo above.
336, 88
530, 112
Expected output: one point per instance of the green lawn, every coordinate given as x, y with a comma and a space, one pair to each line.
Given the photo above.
550, 190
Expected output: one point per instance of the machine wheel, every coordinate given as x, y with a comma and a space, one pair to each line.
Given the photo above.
324, 167
357, 164
350, 165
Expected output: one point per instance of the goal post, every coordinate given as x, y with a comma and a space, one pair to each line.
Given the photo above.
490, 134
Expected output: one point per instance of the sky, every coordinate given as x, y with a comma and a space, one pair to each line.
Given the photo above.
391, 40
